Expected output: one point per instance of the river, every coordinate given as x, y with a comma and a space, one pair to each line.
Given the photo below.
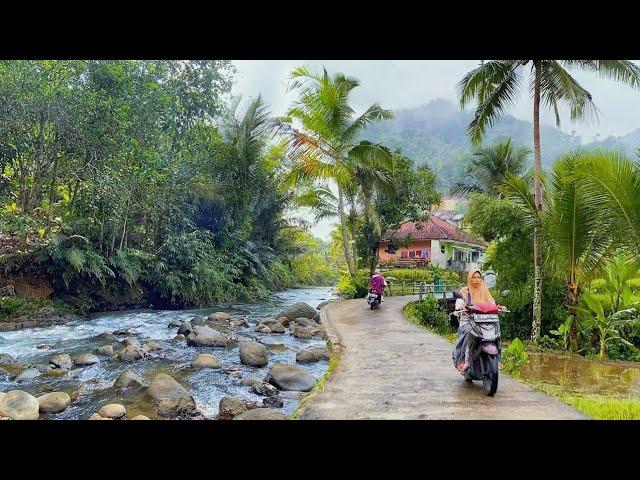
91, 387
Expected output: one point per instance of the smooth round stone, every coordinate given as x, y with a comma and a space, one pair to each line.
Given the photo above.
54, 402
95, 416
86, 360
29, 374
206, 360
113, 410
19, 405
106, 350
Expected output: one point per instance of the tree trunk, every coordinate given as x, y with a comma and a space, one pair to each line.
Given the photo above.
573, 294
537, 239
345, 237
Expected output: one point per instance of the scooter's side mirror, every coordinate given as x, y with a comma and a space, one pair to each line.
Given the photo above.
456, 293
505, 293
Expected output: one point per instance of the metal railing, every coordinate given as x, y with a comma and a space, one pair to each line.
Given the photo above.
421, 289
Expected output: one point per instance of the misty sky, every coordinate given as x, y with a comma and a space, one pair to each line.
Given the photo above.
397, 84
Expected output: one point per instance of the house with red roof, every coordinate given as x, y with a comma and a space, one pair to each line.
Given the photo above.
432, 242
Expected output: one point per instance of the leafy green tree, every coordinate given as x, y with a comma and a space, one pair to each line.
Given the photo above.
494, 86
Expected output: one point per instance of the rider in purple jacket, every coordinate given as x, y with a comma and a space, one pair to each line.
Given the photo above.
377, 283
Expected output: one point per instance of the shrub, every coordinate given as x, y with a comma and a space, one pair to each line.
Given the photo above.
514, 356
431, 314
354, 287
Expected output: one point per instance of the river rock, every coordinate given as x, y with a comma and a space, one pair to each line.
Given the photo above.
268, 321
318, 333
298, 310
125, 332
131, 341
128, 379
313, 354
174, 324
290, 377
96, 416
206, 360
185, 329
249, 381
238, 322
284, 321
317, 318
106, 350
113, 410
262, 329
140, 417
106, 336
262, 414
302, 332
6, 358
277, 401
325, 303
54, 402
28, 374
207, 337
230, 407
132, 353
85, 360
19, 405
304, 322
198, 321
174, 399
44, 346
254, 354
220, 316
179, 337
265, 389
62, 361
152, 346
277, 328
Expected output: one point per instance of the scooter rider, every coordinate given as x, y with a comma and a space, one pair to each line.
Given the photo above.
476, 291
377, 283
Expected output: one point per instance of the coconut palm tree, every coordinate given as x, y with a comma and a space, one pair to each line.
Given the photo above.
323, 137
490, 165
494, 86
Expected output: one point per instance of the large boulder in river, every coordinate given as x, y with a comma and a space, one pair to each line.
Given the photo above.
85, 360
302, 332
128, 379
54, 402
290, 377
152, 346
206, 360
298, 310
106, 336
230, 407
131, 341
62, 361
284, 321
132, 353
207, 337
174, 400
262, 414
185, 329
19, 405
265, 389
254, 354
268, 321
313, 354
174, 323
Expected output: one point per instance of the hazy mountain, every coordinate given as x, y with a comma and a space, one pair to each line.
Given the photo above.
436, 134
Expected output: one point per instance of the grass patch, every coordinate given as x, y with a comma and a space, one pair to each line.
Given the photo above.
596, 406
414, 313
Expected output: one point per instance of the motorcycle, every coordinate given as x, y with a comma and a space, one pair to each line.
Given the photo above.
374, 299
484, 340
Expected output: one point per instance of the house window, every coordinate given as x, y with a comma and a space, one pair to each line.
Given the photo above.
425, 252
457, 255
418, 253
442, 249
403, 254
412, 254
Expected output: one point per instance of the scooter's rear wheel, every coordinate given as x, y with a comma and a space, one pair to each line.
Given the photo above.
490, 377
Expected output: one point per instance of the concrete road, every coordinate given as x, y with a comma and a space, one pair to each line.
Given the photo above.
393, 369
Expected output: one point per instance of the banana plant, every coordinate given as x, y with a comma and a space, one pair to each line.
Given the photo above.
564, 331
606, 325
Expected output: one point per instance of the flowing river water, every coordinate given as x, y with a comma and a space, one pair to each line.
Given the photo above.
91, 387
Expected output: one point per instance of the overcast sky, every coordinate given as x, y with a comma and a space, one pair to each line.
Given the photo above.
397, 84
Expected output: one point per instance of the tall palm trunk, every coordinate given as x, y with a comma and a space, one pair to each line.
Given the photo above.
537, 237
345, 237
573, 294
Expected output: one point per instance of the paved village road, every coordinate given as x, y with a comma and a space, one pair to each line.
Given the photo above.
391, 368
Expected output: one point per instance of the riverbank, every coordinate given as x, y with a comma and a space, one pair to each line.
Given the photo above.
144, 344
